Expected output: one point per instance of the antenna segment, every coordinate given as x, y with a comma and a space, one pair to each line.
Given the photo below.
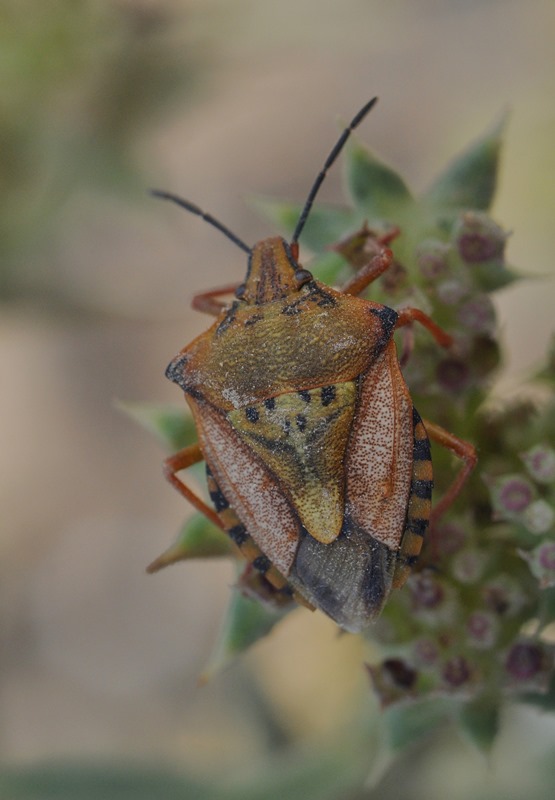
200, 213
329, 161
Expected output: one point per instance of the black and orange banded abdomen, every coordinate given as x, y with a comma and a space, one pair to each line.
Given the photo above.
419, 506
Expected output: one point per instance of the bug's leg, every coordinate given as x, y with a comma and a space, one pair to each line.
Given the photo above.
179, 461
465, 451
407, 346
409, 315
369, 272
172, 465
208, 303
386, 238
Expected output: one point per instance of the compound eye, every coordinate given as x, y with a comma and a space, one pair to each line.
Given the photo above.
240, 291
302, 276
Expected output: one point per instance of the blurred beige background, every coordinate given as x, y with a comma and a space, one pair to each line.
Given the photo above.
216, 101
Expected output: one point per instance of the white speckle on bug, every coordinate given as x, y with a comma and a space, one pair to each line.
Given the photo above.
343, 343
379, 459
232, 396
252, 491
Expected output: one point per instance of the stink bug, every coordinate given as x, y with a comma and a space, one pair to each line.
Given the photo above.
318, 464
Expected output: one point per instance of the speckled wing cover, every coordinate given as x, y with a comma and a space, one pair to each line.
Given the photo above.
321, 480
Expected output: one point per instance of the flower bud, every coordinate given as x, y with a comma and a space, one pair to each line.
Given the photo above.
432, 258
542, 563
453, 375
482, 628
392, 680
468, 566
540, 463
503, 596
449, 537
485, 355
456, 672
528, 662
478, 238
478, 314
426, 591
432, 601
425, 652
539, 517
451, 291
358, 248
510, 495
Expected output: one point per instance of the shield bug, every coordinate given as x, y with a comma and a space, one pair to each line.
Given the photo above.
318, 464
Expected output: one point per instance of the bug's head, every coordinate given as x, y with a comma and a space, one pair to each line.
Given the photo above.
273, 272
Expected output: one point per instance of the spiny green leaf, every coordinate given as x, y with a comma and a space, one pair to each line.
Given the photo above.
246, 622
470, 180
407, 723
479, 721
171, 424
198, 538
376, 189
493, 275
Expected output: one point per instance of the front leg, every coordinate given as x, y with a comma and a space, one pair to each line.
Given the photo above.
463, 450
207, 302
182, 460
409, 315
369, 272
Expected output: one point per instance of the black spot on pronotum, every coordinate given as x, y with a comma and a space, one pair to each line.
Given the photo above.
270, 403
251, 414
228, 319
253, 320
174, 370
291, 310
305, 395
322, 298
387, 316
301, 422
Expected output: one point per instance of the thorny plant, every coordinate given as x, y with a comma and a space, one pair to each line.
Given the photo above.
474, 623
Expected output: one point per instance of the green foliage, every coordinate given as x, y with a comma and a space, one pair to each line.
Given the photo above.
306, 777
470, 181
373, 187
247, 620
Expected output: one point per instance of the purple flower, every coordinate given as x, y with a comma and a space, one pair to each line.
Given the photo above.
478, 238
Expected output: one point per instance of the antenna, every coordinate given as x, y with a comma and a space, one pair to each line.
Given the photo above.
200, 213
329, 161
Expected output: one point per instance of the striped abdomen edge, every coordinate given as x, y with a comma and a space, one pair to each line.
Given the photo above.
419, 505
